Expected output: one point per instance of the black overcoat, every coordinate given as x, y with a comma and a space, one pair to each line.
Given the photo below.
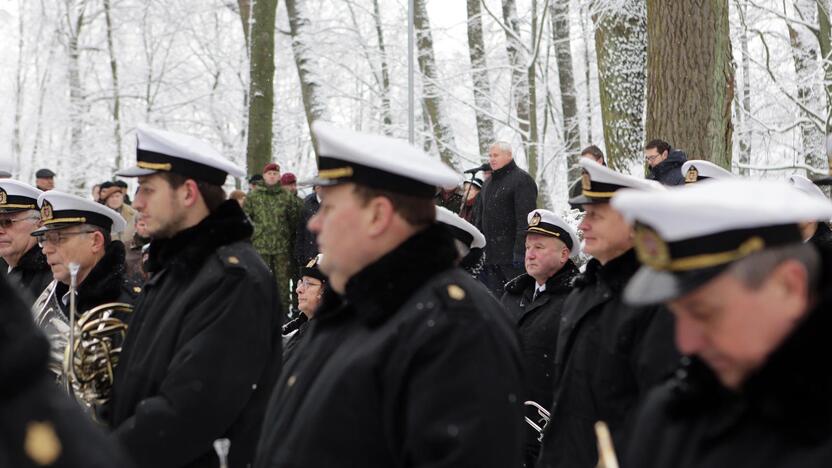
415, 366
32, 274
202, 350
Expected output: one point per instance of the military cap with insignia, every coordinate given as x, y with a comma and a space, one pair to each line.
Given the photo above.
462, 230
17, 196
312, 268
547, 223
697, 170
688, 236
807, 186
59, 210
164, 151
379, 162
599, 183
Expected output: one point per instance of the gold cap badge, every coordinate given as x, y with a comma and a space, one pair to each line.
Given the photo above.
586, 181
3, 198
46, 211
535, 219
692, 175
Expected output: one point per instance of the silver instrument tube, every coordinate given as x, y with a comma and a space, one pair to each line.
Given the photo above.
222, 447
73, 312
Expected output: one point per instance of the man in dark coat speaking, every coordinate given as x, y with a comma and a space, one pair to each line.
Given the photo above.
203, 347
409, 361
752, 304
505, 200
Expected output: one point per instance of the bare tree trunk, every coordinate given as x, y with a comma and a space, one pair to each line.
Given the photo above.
587, 82
479, 73
19, 91
620, 45
441, 129
77, 102
744, 104
313, 102
690, 76
245, 17
569, 104
116, 91
825, 41
386, 113
261, 94
518, 60
805, 56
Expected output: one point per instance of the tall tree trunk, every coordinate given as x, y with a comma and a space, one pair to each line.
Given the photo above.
77, 102
314, 104
261, 89
116, 91
744, 103
620, 46
19, 92
690, 78
568, 101
441, 128
825, 40
479, 74
518, 60
587, 82
805, 56
245, 17
386, 113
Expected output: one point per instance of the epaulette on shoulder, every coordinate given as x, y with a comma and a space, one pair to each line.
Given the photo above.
231, 257
453, 294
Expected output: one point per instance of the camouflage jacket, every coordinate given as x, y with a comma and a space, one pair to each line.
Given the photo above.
275, 214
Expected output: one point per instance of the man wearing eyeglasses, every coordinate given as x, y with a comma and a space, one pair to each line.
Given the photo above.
78, 230
665, 163
24, 263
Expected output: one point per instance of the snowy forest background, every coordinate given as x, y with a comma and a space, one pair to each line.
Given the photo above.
744, 83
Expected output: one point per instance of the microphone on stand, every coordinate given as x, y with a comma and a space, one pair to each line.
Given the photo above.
484, 167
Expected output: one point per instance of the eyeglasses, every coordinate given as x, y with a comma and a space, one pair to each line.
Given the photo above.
651, 157
306, 283
55, 238
7, 223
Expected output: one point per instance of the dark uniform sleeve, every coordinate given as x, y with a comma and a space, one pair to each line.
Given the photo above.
210, 379
525, 200
463, 395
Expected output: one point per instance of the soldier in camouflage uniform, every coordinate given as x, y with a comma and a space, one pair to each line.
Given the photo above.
275, 213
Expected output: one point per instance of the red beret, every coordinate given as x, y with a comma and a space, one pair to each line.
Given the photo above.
288, 178
271, 167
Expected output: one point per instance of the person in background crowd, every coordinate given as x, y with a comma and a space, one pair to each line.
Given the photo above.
751, 303
23, 260
112, 196
594, 153
125, 191
664, 163
40, 426
289, 183
534, 302
239, 196
409, 361
815, 231
254, 181
44, 179
137, 253
305, 245
506, 198
471, 191
609, 354
469, 241
96, 192
310, 290
450, 199
275, 213
204, 343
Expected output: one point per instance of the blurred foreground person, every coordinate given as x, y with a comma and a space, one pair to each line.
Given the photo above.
409, 361
39, 425
204, 345
469, 241
752, 304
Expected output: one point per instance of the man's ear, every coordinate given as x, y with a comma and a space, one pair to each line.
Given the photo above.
98, 243
790, 284
380, 214
189, 193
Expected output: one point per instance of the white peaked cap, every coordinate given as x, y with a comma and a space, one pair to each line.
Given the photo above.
59, 210
461, 229
698, 170
547, 223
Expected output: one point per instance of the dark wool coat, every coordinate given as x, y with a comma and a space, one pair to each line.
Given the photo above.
39, 425
202, 350
782, 416
305, 245
415, 366
823, 236
501, 214
32, 274
537, 324
669, 171
609, 355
